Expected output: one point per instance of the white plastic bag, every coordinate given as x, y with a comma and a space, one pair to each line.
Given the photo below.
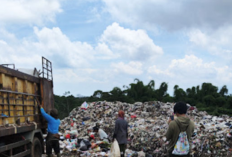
141, 154
115, 151
102, 134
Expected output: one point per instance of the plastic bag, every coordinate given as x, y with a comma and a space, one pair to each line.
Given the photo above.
141, 154
115, 151
82, 143
83, 146
102, 134
87, 143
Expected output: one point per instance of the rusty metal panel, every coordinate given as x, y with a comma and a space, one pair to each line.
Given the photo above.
47, 98
10, 130
47, 95
18, 74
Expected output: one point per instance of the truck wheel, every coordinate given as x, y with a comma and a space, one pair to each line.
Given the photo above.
36, 148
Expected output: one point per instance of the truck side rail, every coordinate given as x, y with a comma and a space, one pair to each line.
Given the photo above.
14, 145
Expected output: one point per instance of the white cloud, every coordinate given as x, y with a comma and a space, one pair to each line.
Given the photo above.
224, 74
74, 75
199, 38
3, 42
72, 60
28, 11
217, 42
105, 53
131, 44
15, 54
154, 70
193, 69
64, 53
132, 68
96, 15
54, 43
7, 36
171, 15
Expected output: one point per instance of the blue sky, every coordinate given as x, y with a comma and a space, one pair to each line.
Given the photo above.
102, 44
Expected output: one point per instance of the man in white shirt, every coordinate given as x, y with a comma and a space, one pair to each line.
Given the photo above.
102, 134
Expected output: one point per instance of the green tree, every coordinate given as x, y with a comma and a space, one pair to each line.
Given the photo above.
209, 100
116, 94
151, 85
229, 102
136, 91
179, 94
223, 90
98, 94
162, 91
220, 101
209, 89
207, 97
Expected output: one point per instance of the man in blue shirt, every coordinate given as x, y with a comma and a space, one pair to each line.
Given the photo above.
52, 139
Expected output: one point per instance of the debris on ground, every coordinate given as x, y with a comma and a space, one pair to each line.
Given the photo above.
147, 127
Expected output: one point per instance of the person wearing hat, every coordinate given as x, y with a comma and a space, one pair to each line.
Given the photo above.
180, 124
52, 139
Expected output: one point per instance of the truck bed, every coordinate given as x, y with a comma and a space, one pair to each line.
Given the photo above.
20, 95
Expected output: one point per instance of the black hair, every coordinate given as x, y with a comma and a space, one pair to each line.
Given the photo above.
95, 129
54, 113
180, 107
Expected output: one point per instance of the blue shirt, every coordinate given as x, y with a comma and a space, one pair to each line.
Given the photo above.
53, 124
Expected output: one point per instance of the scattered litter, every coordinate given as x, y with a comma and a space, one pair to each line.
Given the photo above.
147, 126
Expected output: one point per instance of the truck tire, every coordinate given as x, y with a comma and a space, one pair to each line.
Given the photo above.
36, 148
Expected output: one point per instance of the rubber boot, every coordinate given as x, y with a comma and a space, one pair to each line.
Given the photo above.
58, 155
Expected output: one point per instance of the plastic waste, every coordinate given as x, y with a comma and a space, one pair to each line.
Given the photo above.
146, 131
115, 151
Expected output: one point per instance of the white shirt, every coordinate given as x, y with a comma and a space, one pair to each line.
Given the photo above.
102, 134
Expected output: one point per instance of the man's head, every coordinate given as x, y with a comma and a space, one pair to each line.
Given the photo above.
121, 114
54, 113
95, 129
180, 108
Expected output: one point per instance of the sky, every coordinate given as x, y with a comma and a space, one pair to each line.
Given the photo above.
102, 44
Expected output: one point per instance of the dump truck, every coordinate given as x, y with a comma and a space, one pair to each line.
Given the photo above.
21, 123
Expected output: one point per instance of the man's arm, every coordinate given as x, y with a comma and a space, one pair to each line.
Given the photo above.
170, 131
127, 130
46, 116
115, 129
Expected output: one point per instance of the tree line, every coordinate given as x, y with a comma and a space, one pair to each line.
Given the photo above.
206, 97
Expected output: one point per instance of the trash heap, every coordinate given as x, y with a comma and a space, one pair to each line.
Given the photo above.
147, 127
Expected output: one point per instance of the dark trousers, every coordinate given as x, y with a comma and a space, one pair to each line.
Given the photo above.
52, 143
122, 149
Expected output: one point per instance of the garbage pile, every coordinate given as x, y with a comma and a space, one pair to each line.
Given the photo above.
147, 127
